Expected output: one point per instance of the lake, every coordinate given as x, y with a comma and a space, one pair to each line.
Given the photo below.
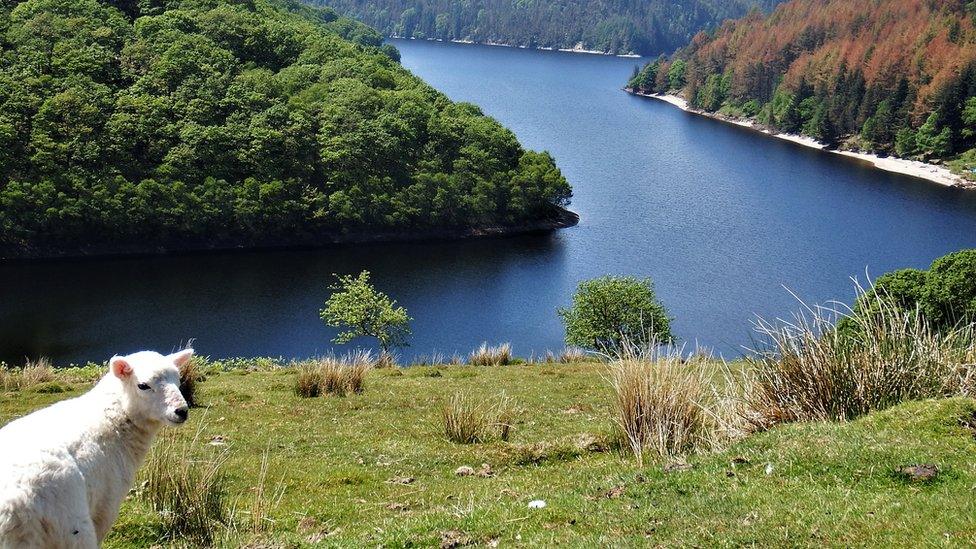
722, 218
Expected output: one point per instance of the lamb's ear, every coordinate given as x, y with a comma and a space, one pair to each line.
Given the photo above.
182, 357
120, 367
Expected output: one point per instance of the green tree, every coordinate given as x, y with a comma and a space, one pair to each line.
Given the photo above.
949, 295
610, 310
365, 312
676, 75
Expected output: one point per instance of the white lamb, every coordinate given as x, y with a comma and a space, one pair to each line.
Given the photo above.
65, 469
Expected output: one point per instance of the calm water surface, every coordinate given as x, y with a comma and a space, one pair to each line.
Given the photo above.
720, 217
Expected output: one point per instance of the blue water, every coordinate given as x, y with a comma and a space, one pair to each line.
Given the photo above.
722, 218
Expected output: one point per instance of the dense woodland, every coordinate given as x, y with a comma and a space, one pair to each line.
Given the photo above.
145, 124
891, 76
645, 27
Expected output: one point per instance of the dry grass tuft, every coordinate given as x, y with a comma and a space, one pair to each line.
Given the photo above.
332, 375
667, 406
188, 492
32, 374
811, 370
467, 420
485, 355
574, 354
265, 501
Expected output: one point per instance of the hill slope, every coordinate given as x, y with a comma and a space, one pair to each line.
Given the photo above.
374, 469
893, 76
645, 27
172, 124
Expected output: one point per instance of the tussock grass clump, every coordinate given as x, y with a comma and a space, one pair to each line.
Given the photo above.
34, 373
882, 355
666, 406
467, 420
188, 491
486, 355
333, 375
575, 354
190, 374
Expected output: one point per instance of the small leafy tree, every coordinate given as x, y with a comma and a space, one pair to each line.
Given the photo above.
610, 310
365, 312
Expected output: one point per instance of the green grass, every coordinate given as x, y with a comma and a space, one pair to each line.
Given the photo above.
830, 483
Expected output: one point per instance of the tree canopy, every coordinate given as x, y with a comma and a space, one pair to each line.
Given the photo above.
612, 311
644, 27
144, 124
365, 312
890, 76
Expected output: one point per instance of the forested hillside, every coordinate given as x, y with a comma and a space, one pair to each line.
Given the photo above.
891, 76
164, 124
646, 27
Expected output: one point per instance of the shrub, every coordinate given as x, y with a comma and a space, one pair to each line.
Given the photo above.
365, 312
949, 294
485, 355
467, 420
188, 492
609, 310
664, 405
809, 370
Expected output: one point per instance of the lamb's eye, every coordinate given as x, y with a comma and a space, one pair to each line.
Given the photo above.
143, 386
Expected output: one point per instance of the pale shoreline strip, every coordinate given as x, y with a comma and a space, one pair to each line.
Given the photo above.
913, 168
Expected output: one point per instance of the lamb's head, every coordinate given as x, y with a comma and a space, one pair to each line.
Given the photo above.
151, 385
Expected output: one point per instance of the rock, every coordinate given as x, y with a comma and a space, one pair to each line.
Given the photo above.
464, 471
454, 538
591, 443
769, 469
677, 467
919, 472
537, 504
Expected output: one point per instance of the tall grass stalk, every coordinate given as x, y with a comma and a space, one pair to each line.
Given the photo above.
187, 490
666, 406
817, 368
467, 420
487, 355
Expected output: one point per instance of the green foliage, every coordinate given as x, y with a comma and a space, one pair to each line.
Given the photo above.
609, 311
365, 312
206, 123
628, 26
676, 75
945, 294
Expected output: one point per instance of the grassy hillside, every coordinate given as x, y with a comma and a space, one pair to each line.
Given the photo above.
181, 124
374, 469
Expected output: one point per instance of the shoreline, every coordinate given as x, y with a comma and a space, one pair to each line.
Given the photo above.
912, 168
540, 48
561, 218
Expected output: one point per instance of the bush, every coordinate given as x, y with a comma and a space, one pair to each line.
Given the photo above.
609, 310
188, 492
499, 355
810, 370
664, 405
365, 312
945, 294
467, 420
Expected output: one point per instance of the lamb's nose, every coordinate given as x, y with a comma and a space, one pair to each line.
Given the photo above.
182, 413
